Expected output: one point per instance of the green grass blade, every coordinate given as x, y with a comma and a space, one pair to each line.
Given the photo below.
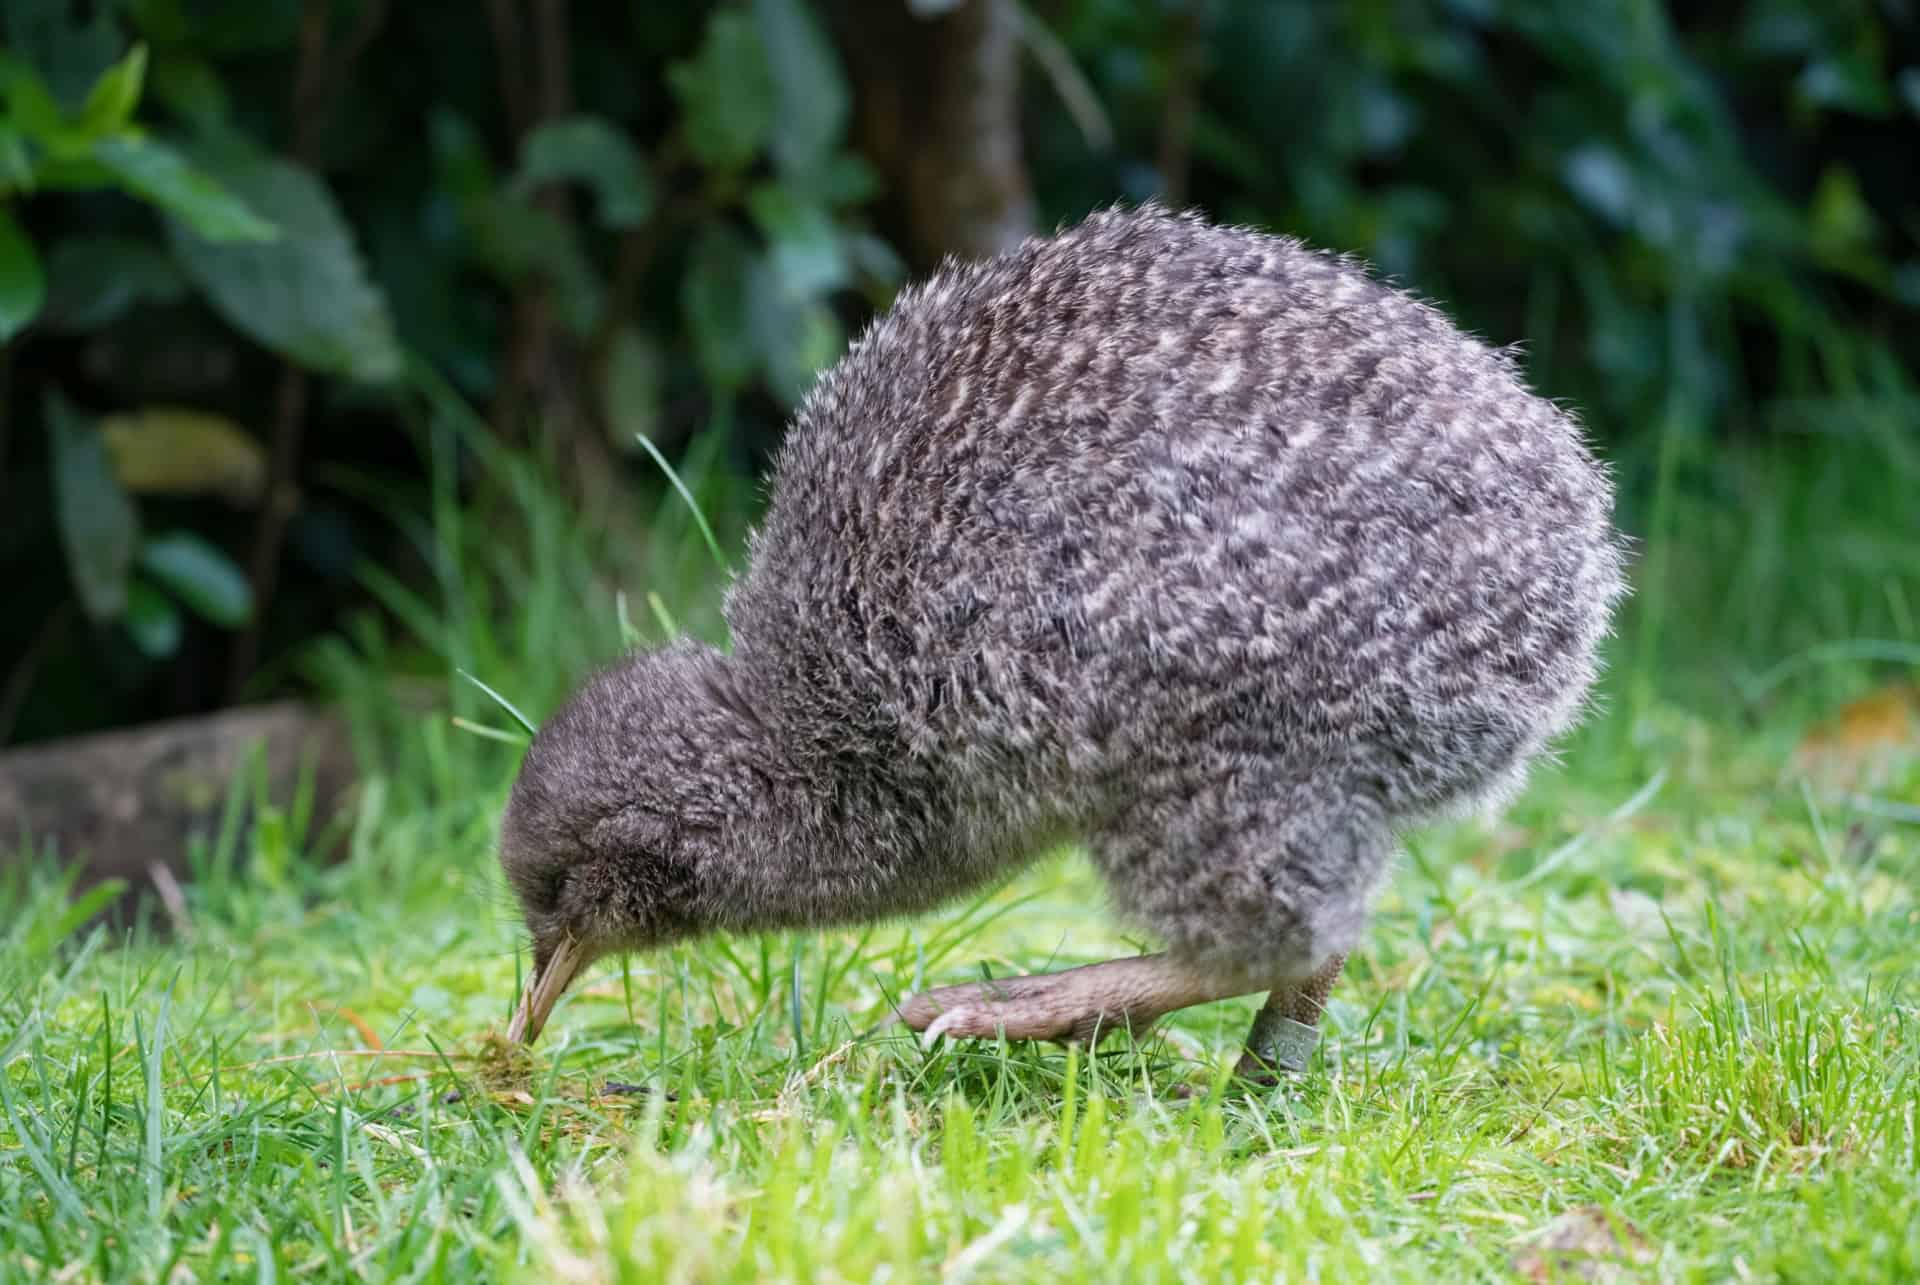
526, 723
489, 733
693, 506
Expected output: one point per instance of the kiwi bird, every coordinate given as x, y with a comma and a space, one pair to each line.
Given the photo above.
1193, 545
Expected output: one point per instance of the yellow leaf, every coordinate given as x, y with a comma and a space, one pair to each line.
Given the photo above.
1864, 733
1586, 1243
165, 450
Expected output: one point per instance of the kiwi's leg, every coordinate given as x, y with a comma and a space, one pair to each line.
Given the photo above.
1286, 1030
1078, 1005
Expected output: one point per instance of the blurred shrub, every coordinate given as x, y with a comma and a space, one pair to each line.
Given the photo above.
1691, 214
256, 256
252, 252
117, 575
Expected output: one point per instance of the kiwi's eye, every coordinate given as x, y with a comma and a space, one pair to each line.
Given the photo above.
554, 885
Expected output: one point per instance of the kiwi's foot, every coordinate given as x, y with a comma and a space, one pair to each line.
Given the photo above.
1020, 1008
1080, 1005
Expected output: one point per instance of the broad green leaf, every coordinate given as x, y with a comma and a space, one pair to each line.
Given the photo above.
843, 179
461, 166
161, 175
714, 297
1849, 83
810, 89
727, 93
306, 295
167, 450
34, 110
98, 525
23, 286
516, 239
587, 149
807, 254
200, 575
796, 335
1839, 220
1599, 176
69, 173
16, 162
111, 101
93, 280
68, 44
153, 621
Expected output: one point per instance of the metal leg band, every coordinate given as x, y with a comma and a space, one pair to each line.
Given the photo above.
1292, 1043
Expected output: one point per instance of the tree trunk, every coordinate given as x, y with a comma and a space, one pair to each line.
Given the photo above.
937, 110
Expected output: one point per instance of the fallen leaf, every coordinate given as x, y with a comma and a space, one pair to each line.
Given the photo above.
1585, 1243
1864, 736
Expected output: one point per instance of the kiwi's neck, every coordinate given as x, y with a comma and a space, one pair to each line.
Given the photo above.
832, 823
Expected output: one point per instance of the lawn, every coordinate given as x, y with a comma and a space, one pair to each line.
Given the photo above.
1659, 1022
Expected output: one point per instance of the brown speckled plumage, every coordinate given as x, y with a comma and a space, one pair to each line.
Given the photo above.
1193, 544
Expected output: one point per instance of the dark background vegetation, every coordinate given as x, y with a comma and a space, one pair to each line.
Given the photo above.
276, 276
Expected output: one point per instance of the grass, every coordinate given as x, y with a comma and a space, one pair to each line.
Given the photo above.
1665, 1009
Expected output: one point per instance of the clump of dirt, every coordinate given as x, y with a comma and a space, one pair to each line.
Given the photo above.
501, 1064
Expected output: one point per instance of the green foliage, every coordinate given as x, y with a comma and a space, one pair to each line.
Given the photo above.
152, 621
717, 296
696, 232
1577, 175
98, 526
100, 533
1696, 225
23, 285
162, 176
304, 295
589, 150
43, 146
811, 102
111, 101
48, 148
200, 575
727, 94
1698, 228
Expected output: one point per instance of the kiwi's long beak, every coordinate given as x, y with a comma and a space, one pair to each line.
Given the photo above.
540, 997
